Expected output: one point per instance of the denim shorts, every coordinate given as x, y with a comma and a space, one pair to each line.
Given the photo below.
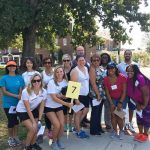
115, 102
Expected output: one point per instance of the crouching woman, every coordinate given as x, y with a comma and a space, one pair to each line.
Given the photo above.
30, 109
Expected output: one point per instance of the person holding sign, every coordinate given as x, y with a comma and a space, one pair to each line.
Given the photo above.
115, 85
11, 84
80, 74
97, 93
30, 109
138, 88
54, 106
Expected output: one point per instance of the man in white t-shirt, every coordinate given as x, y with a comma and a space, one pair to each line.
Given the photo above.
122, 68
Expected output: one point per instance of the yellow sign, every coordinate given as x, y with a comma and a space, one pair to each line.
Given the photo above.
73, 90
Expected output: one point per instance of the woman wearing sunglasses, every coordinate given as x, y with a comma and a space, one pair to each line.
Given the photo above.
11, 85
54, 106
97, 91
115, 85
66, 60
30, 109
29, 67
47, 75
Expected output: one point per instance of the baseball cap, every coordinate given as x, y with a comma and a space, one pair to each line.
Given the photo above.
11, 62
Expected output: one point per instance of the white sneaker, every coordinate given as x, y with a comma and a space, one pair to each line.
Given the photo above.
11, 142
131, 128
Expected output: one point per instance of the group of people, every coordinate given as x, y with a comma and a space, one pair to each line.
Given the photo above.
113, 86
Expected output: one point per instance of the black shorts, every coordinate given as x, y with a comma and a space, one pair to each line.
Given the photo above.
24, 115
66, 109
47, 109
85, 100
12, 118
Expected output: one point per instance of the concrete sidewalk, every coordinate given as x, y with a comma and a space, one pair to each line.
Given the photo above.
102, 142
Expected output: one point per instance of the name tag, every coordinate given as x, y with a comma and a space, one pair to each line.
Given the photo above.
114, 87
136, 83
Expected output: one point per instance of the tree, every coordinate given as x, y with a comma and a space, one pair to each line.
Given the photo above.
29, 17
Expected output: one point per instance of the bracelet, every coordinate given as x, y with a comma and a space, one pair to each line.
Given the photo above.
39, 120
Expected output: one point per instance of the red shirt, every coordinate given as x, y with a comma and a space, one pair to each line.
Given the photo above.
116, 89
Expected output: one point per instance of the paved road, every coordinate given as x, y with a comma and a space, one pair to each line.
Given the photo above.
102, 142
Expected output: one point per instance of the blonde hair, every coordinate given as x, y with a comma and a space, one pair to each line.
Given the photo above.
30, 85
55, 78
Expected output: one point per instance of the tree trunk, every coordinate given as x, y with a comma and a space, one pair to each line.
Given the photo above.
28, 42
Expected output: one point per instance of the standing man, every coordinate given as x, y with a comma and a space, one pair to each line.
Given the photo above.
122, 68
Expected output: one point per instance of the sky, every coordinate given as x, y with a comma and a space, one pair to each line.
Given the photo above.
136, 33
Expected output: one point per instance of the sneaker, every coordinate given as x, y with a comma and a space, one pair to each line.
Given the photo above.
126, 127
17, 141
11, 142
82, 135
113, 134
142, 138
70, 128
121, 135
36, 147
74, 131
137, 136
65, 127
54, 146
50, 134
28, 148
60, 144
131, 128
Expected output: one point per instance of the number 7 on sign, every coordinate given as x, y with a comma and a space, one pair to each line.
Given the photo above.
73, 90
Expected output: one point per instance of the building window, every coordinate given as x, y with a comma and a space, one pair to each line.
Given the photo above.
64, 42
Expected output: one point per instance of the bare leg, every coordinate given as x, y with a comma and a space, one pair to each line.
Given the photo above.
31, 131
60, 116
114, 122
77, 118
56, 124
120, 122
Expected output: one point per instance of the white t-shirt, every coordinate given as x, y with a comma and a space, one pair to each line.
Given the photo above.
27, 76
122, 67
34, 100
84, 80
46, 78
52, 88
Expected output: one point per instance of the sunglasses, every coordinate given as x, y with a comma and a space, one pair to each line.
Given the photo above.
66, 60
47, 62
12, 66
96, 60
34, 81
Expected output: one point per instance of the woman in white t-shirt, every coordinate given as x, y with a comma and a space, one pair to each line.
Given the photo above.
30, 109
29, 67
54, 106
47, 75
